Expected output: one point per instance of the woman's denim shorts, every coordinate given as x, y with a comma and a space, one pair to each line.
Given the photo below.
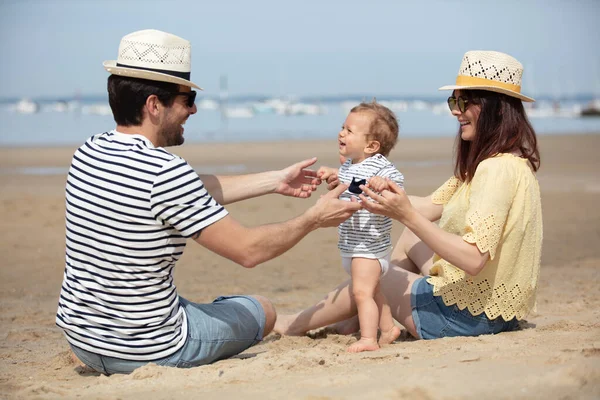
216, 331
433, 319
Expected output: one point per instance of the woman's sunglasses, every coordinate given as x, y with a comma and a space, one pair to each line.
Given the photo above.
191, 97
460, 101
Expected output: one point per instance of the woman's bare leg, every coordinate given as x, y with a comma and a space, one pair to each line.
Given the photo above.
337, 305
410, 260
410, 254
389, 330
397, 286
410, 257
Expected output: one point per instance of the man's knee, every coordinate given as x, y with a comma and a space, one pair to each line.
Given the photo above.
270, 313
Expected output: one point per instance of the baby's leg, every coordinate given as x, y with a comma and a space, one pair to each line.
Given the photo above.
365, 280
389, 330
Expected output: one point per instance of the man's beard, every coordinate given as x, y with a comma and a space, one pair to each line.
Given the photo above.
171, 136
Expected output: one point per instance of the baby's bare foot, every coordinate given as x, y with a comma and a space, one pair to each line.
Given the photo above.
389, 336
363, 344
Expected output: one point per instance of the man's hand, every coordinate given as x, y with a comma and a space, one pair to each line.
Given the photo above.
329, 175
297, 181
330, 211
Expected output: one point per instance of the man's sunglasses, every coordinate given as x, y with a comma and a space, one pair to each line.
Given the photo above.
460, 101
191, 97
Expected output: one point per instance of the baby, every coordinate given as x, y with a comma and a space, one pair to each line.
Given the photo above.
367, 137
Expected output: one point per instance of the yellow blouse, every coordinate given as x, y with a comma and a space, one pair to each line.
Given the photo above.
499, 211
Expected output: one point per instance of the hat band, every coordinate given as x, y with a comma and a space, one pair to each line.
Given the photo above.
463, 80
183, 75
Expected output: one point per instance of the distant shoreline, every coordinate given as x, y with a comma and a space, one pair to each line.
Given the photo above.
268, 142
325, 98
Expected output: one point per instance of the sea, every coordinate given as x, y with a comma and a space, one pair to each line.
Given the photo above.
59, 122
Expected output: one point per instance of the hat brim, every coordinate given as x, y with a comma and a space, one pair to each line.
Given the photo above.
111, 66
491, 89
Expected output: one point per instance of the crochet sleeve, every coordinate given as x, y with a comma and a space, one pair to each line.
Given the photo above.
492, 191
444, 193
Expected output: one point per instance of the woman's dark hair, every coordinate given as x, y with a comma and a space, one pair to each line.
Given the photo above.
502, 127
127, 97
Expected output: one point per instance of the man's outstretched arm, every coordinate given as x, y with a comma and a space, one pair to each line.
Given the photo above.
252, 246
295, 181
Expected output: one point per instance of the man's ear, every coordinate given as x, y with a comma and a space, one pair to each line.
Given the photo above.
153, 106
372, 147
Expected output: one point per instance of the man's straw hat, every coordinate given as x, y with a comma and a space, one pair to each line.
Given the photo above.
154, 55
490, 70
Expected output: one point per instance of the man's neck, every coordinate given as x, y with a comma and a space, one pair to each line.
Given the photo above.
139, 130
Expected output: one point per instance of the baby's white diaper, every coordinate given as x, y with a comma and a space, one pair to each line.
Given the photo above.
384, 262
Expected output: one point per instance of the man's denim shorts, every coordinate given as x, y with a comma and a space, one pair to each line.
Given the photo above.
216, 331
433, 319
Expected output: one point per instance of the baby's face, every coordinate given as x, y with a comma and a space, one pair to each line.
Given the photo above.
352, 139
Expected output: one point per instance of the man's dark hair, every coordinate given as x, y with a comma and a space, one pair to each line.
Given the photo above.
502, 127
127, 97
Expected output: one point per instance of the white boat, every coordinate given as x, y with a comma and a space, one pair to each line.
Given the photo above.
97, 109
239, 112
207, 104
26, 106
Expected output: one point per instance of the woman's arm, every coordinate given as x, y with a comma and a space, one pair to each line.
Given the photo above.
426, 207
395, 204
294, 181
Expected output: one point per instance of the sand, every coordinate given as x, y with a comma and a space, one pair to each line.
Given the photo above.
556, 355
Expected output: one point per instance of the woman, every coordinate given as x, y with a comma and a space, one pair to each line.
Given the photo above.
477, 272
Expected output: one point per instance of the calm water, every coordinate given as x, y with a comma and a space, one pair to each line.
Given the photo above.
51, 128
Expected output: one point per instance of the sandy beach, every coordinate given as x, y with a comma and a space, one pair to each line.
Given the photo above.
555, 356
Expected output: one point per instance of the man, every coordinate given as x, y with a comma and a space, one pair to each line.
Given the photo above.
131, 205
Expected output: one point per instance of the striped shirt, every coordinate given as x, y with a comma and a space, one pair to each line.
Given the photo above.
366, 234
129, 209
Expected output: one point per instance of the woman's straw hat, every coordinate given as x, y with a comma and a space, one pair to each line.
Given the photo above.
154, 55
490, 70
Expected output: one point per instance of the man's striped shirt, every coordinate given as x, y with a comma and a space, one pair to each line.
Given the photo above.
366, 234
129, 209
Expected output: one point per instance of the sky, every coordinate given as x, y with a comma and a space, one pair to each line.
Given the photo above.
55, 48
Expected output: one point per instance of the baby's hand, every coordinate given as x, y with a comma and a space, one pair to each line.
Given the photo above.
329, 175
378, 184
325, 173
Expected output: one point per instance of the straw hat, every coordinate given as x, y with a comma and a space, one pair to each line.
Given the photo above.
490, 70
154, 55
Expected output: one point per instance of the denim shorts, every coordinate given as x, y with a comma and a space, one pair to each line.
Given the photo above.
433, 319
218, 330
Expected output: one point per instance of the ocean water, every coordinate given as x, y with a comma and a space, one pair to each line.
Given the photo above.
249, 123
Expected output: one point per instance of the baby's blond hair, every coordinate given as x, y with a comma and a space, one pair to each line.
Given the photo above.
384, 126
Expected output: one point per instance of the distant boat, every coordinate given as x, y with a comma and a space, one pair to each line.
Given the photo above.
26, 106
208, 104
97, 109
239, 112
551, 109
592, 109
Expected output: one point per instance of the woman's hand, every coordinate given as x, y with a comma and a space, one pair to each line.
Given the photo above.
392, 202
